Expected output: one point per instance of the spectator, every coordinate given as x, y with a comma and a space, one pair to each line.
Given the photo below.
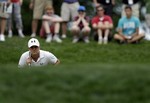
128, 28
38, 8
3, 17
35, 56
107, 4
102, 24
81, 26
68, 8
146, 23
135, 4
51, 25
16, 13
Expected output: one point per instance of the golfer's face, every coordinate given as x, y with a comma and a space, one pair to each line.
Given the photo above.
34, 49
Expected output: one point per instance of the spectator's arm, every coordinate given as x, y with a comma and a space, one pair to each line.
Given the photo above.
76, 22
8, 2
52, 19
121, 33
113, 2
96, 3
136, 32
31, 4
94, 26
85, 23
21, 2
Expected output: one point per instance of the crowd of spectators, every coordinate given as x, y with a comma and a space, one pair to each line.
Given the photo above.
55, 28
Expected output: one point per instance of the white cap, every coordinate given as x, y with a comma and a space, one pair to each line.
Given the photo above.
33, 42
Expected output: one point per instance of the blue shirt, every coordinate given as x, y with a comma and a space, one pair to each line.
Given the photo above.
129, 26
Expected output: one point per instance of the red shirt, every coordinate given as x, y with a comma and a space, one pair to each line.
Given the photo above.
14, 1
103, 19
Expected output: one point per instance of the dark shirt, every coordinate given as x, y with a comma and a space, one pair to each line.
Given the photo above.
105, 2
128, 3
81, 26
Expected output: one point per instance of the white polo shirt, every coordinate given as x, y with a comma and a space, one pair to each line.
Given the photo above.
44, 59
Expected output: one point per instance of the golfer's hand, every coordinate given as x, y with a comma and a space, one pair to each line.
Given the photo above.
28, 61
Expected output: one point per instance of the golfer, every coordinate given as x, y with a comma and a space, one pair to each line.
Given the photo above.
35, 56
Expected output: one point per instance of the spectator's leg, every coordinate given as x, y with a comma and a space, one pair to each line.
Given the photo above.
56, 32
9, 25
75, 31
48, 32
2, 28
119, 38
86, 31
136, 38
65, 14
106, 33
18, 19
34, 27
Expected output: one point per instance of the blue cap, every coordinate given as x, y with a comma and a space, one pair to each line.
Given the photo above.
81, 8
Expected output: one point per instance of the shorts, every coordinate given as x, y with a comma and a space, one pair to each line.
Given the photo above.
3, 10
39, 7
68, 10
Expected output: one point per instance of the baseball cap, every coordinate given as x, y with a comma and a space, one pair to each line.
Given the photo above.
81, 8
33, 42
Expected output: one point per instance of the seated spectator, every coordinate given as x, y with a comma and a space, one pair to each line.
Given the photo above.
81, 26
128, 28
51, 22
102, 24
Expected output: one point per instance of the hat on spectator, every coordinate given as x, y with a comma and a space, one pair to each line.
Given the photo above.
81, 8
33, 42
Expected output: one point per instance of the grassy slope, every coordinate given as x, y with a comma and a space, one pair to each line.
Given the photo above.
89, 73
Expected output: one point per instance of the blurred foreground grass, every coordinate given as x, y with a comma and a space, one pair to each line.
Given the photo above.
88, 73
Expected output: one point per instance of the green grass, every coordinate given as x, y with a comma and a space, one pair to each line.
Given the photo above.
88, 73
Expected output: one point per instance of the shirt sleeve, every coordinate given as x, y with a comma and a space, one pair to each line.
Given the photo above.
120, 24
22, 61
94, 21
137, 23
52, 58
109, 19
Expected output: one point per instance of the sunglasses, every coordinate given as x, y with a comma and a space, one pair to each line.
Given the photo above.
32, 47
